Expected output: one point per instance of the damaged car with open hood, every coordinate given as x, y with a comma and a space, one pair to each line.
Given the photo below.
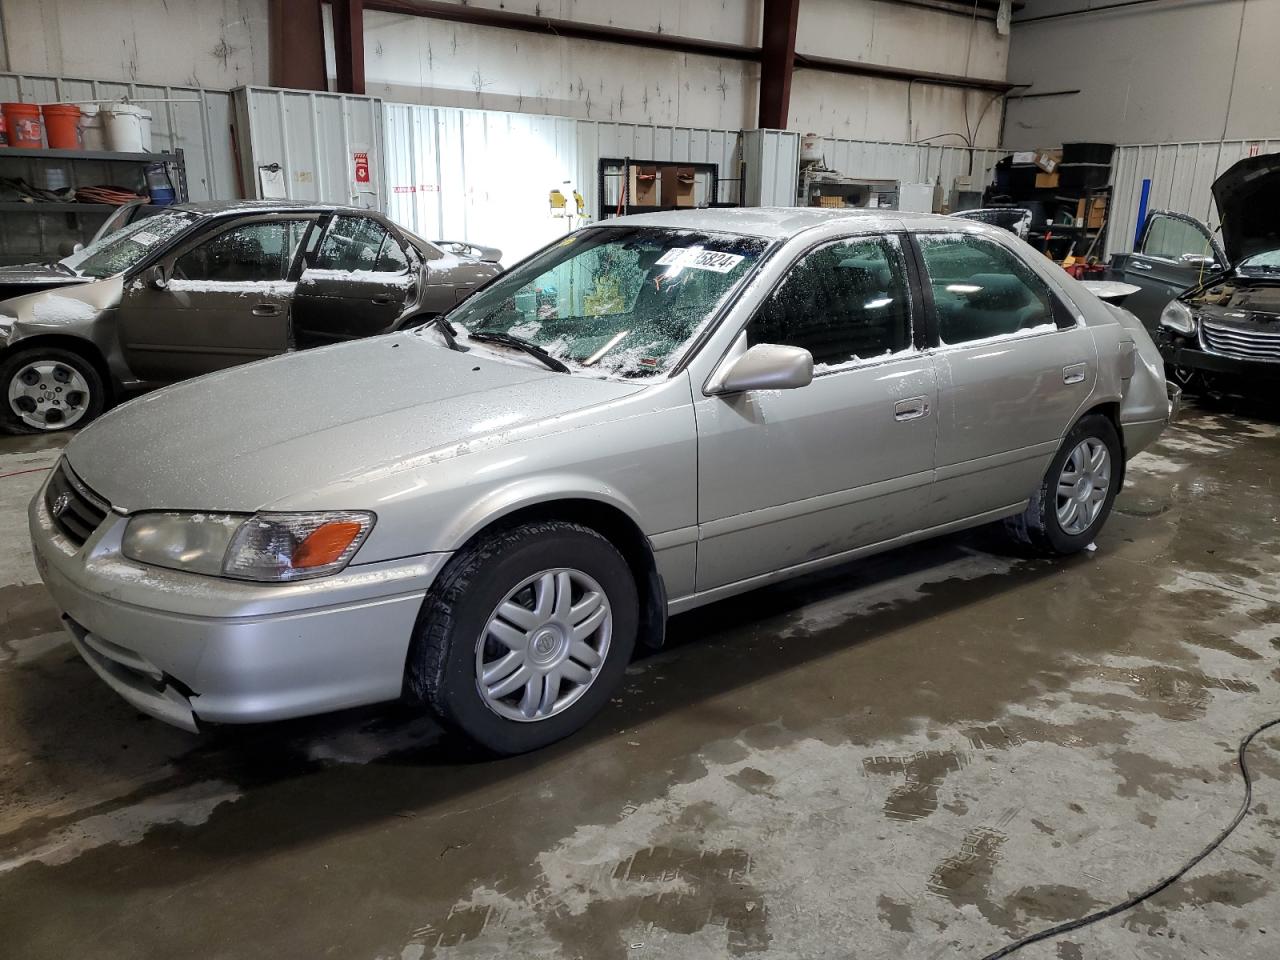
1223, 334
203, 286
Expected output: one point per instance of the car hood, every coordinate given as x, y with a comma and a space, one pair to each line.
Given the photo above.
1248, 196
36, 274
245, 438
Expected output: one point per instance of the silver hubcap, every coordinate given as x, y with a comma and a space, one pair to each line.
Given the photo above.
48, 395
544, 645
1083, 485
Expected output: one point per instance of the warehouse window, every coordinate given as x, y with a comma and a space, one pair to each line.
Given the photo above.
842, 302
250, 252
982, 290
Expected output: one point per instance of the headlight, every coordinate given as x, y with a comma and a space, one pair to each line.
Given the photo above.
1177, 316
266, 546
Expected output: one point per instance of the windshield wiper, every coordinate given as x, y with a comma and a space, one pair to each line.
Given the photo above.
509, 340
448, 331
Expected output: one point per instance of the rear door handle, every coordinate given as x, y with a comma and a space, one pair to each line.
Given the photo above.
381, 300
1075, 373
266, 310
912, 409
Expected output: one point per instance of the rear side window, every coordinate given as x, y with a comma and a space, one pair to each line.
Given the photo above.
843, 302
982, 290
359, 243
1170, 238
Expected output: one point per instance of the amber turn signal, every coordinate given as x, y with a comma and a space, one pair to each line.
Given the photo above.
326, 544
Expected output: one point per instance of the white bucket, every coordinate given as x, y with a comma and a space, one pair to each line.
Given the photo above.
92, 134
128, 128
810, 148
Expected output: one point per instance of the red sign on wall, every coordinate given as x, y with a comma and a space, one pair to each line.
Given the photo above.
362, 167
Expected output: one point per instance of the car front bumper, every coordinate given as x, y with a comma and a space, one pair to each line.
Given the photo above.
1185, 355
188, 648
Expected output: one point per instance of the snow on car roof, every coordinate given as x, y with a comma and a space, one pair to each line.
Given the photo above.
775, 222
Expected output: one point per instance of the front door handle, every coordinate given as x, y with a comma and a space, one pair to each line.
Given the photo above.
266, 310
1139, 265
1075, 373
912, 409
381, 301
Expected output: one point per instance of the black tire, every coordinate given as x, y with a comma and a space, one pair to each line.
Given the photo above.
12, 365
441, 667
1038, 526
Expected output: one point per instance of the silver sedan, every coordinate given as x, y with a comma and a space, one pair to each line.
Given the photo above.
487, 514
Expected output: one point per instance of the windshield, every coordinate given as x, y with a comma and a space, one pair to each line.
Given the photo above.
1268, 262
118, 251
616, 300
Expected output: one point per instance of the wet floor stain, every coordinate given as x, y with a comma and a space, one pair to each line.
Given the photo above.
752, 780
25, 612
965, 876
922, 774
1172, 693
1214, 641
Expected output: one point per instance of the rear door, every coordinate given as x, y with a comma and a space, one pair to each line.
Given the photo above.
1174, 253
226, 300
357, 282
1014, 368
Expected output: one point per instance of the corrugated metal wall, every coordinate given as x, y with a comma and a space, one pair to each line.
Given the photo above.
191, 119
772, 167
315, 138
909, 162
1181, 176
484, 176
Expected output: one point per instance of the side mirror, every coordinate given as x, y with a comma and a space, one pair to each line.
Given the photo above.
766, 366
77, 248
157, 278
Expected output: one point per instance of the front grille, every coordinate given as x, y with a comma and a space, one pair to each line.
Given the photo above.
1243, 344
76, 510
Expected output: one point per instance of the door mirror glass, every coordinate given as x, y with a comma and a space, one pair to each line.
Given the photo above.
157, 277
766, 366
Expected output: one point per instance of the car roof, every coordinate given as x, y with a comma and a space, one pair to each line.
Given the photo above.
225, 207
778, 222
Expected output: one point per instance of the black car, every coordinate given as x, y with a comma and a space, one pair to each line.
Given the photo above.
1224, 333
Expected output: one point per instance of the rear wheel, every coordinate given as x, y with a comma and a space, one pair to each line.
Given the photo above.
47, 389
525, 635
1076, 495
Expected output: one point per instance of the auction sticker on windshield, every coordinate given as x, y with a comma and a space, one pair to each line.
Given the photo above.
144, 238
699, 259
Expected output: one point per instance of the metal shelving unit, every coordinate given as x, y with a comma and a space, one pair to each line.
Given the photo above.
40, 230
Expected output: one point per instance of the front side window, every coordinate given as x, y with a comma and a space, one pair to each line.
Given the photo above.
118, 251
359, 243
620, 300
260, 251
843, 302
982, 290
1170, 239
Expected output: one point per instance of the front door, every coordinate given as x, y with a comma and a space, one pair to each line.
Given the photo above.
1174, 254
226, 301
358, 283
1013, 368
786, 477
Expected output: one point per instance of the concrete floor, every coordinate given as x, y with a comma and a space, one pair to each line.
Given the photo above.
925, 755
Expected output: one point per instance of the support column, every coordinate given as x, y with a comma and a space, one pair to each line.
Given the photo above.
777, 61
295, 30
348, 44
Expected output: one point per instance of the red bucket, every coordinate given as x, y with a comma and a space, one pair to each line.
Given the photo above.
24, 126
62, 124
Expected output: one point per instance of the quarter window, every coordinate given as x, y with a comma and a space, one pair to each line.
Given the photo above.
843, 302
982, 290
1170, 238
249, 252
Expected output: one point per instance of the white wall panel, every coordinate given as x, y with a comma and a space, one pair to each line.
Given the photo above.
191, 119
314, 138
909, 162
1181, 176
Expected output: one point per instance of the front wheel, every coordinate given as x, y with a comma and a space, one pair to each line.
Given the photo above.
1077, 492
45, 389
525, 635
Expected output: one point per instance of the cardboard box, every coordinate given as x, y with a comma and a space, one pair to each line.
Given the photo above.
644, 187
1048, 160
1095, 216
677, 186
1023, 157
1046, 181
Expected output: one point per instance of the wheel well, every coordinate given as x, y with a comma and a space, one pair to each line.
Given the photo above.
77, 345
1111, 410
620, 530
